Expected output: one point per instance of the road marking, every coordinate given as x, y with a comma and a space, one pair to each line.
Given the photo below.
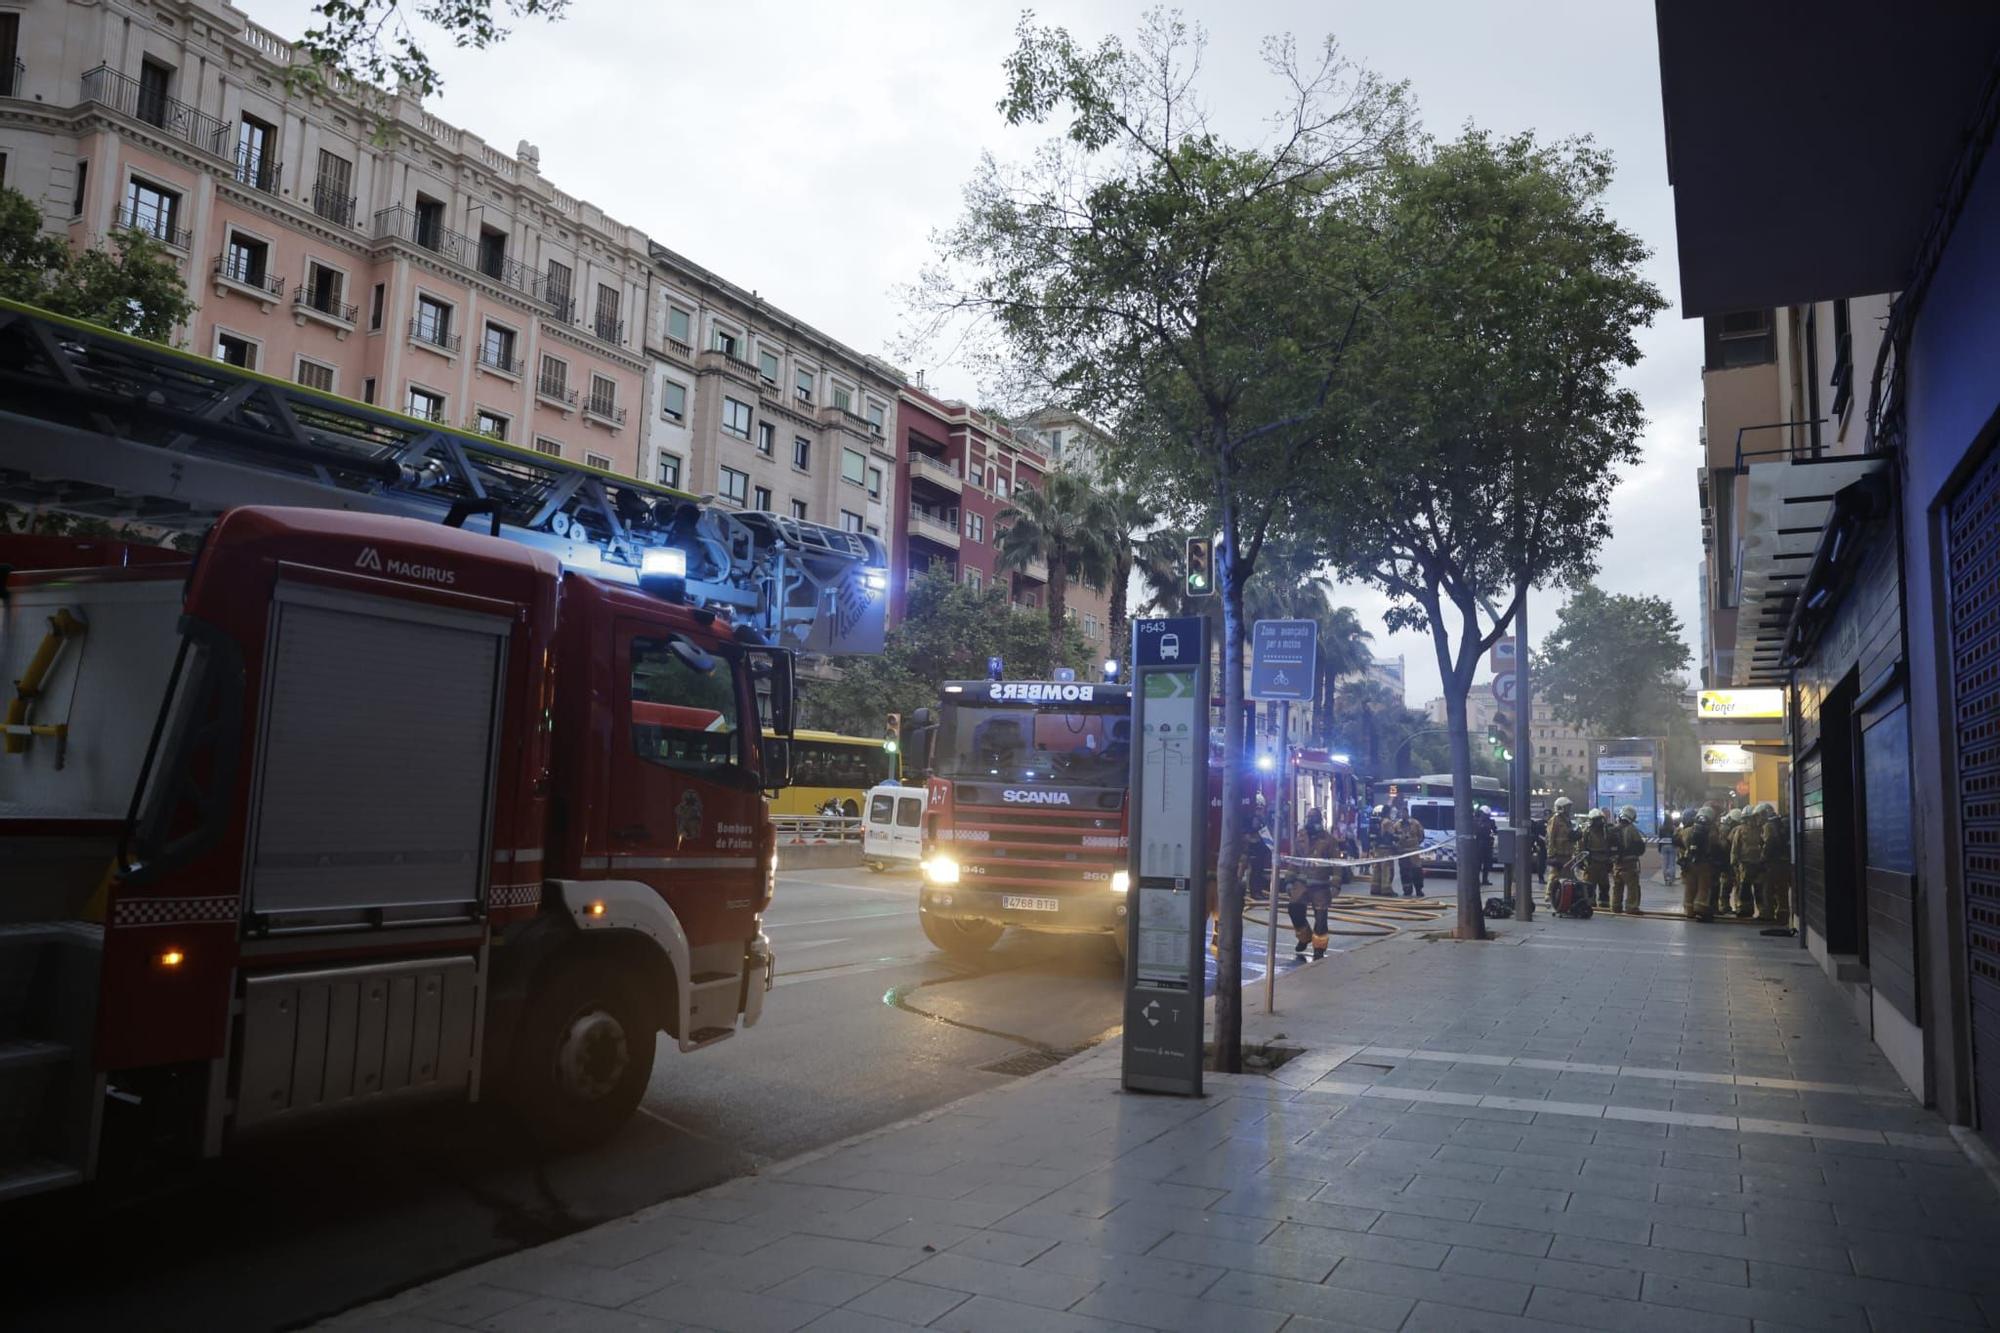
839, 970
829, 920
794, 946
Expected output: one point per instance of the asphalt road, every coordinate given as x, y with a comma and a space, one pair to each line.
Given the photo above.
868, 1025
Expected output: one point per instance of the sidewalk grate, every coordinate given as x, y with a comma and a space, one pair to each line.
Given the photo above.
1027, 1062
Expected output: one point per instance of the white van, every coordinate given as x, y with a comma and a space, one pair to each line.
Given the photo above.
892, 830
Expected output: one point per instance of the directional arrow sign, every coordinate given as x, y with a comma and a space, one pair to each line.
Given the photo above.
1283, 658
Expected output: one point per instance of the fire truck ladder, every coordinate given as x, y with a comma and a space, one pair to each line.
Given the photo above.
98, 424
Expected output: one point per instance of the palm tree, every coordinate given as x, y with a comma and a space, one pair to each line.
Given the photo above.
1058, 526
1126, 520
1343, 652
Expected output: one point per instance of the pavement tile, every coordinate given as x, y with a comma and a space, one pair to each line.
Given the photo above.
546, 1314
1587, 1311
1483, 1292
908, 1302
993, 1314
1002, 1247
1345, 1204
1648, 1259
919, 1235
1754, 1303
1505, 1213
1153, 1309
1868, 1292
727, 1311
1569, 1274
684, 1266
470, 1304
1435, 1317
1172, 1277
1762, 1249
853, 1321
1342, 1305
1269, 1259
618, 1243
1027, 1286
1509, 1239
1125, 1234
566, 1280
825, 1286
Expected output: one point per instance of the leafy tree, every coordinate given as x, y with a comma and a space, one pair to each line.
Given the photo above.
375, 43
1370, 722
1343, 653
1495, 422
1126, 519
1614, 663
1058, 524
949, 631
134, 288
1143, 270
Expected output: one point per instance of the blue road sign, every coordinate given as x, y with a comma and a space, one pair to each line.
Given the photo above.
1175, 641
1284, 655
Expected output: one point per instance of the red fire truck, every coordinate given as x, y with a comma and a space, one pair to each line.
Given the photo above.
350, 805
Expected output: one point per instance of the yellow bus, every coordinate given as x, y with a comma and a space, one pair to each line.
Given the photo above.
827, 766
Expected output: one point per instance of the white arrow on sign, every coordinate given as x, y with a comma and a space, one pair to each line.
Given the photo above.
1503, 687
1148, 1012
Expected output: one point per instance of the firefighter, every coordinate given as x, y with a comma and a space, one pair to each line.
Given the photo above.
1484, 834
1631, 845
1725, 886
1312, 886
1746, 858
1701, 844
1777, 866
1409, 837
1598, 849
1381, 846
1562, 845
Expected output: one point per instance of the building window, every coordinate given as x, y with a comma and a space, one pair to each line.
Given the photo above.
802, 386
974, 578
545, 445
842, 398
428, 218
492, 252
603, 396
368, 389
680, 324
333, 188
554, 382
975, 527
246, 261
433, 322
736, 418
673, 401
999, 485
375, 304
557, 288
767, 438
154, 81
670, 470
976, 474
761, 499
235, 351
82, 187
735, 485
850, 521
496, 349
490, 423
425, 405
256, 162
323, 289
152, 211
598, 461
315, 376
802, 453
799, 510
767, 366
877, 415
608, 326
853, 467
874, 483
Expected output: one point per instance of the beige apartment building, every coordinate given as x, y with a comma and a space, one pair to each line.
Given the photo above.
429, 273
761, 411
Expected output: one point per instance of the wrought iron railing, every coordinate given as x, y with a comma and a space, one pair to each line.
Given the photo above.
499, 358
609, 328
324, 303
158, 223
433, 334
331, 201
258, 170
605, 407
239, 268
127, 96
422, 229
13, 80
555, 389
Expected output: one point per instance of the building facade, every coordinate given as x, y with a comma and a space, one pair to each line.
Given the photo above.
422, 270
1390, 672
1853, 539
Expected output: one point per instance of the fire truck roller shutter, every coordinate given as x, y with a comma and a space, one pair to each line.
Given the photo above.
375, 771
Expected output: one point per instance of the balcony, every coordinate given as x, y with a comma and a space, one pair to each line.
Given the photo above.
608, 327
680, 351
331, 201
154, 223
943, 472
258, 170
553, 389
499, 359
436, 336
13, 80
425, 232
238, 270
939, 527
715, 359
604, 408
108, 88
325, 307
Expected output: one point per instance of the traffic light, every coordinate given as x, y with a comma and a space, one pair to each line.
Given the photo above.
1200, 566
892, 732
1500, 734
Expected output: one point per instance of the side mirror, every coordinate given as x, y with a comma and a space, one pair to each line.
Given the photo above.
918, 734
772, 671
777, 751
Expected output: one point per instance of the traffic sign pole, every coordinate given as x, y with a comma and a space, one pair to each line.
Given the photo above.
1524, 714
1279, 825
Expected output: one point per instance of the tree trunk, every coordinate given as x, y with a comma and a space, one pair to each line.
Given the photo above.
1457, 686
1058, 595
1229, 885
1118, 632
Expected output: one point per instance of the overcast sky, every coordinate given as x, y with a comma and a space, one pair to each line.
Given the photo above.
808, 151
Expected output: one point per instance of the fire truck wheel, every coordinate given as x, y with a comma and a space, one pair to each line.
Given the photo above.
584, 1057
962, 938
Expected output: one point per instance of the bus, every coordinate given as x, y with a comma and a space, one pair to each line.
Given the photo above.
827, 766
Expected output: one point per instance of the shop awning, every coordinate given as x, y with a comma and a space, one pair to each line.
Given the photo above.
1788, 508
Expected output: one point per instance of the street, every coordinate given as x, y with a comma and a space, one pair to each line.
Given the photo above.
868, 1025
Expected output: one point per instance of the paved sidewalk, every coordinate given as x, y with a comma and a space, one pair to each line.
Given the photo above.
1625, 1124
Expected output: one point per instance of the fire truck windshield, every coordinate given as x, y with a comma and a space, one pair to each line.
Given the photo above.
1081, 747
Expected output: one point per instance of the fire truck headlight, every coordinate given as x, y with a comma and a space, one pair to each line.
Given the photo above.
941, 870
1121, 881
